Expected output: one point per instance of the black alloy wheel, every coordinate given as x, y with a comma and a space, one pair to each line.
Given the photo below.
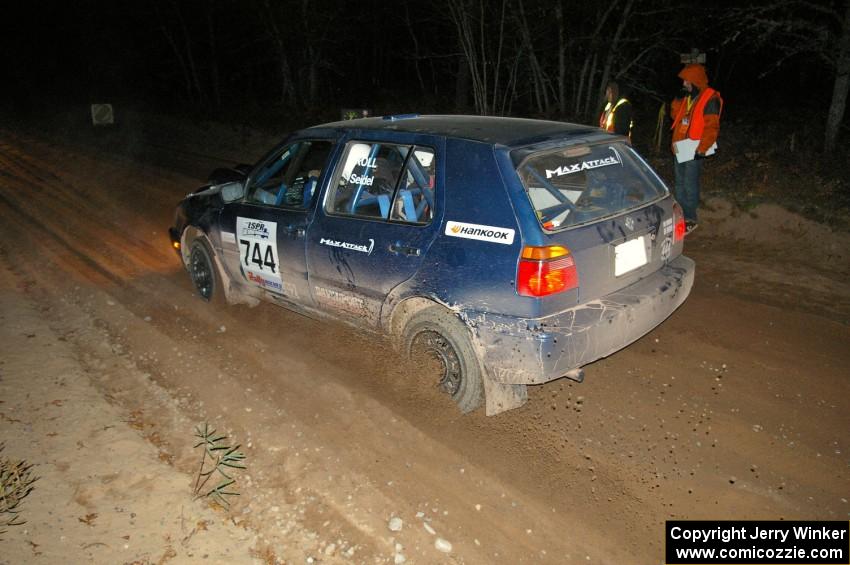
438, 347
438, 333
201, 271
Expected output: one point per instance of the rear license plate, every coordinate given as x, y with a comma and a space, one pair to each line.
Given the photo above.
629, 256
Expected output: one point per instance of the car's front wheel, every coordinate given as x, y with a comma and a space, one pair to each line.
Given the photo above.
439, 334
203, 272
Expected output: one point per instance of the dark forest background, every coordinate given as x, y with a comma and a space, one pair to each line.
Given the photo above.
288, 63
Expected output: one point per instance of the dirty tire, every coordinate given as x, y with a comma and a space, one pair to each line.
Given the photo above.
438, 332
204, 273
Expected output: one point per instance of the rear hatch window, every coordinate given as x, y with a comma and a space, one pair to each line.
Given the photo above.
580, 184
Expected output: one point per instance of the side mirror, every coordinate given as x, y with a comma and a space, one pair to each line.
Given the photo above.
232, 191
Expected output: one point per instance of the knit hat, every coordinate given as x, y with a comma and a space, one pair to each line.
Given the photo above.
695, 74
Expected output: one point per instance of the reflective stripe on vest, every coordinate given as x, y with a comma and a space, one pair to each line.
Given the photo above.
606, 120
696, 118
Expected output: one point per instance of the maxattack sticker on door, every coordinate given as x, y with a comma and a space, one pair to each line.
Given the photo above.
258, 252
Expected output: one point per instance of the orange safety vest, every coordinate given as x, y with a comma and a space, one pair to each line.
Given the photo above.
695, 122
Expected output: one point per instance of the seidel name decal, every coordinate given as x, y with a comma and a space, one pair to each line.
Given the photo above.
481, 233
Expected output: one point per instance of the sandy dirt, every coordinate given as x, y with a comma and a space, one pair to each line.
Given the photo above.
738, 406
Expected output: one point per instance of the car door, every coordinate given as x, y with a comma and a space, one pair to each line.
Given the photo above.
380, 214
263, 235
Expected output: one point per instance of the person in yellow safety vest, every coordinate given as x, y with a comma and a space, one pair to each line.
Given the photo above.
617, 116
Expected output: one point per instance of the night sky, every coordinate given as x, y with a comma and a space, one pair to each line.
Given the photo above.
304, 60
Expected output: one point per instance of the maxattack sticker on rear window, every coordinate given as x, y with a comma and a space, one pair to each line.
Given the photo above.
258, 252
613, 159
481, 233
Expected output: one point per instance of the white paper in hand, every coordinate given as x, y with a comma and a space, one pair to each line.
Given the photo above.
687, 148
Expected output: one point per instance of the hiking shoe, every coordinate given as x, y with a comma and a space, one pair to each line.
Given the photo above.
690, 226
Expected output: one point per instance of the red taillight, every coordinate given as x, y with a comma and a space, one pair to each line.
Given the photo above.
546, 270
678, 223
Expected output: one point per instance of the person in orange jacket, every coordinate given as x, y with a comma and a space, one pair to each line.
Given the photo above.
696, 116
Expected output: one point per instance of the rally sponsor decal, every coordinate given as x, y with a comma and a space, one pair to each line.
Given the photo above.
363, 248
264, 282
228, 237
258, 255
482, 233
339, 299
666, 248
668, 226
613, 159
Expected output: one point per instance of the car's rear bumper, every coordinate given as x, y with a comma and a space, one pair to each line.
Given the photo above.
533, 351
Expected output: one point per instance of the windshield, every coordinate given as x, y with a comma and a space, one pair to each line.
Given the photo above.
580, 184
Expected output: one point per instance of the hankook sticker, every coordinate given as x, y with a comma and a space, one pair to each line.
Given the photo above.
479, 232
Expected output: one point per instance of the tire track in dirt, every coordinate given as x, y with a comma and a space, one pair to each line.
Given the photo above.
656, 431
90, 225
127, 292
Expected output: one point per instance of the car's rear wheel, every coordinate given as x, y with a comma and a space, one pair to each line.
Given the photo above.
203, 272
439, 334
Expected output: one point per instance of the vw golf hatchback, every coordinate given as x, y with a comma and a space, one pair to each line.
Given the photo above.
513, 251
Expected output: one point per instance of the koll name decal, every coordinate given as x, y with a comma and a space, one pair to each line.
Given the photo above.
482, 233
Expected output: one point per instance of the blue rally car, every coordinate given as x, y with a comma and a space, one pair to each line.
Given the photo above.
514, 251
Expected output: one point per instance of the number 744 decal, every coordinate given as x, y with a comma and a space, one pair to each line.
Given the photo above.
258, 257
258, 251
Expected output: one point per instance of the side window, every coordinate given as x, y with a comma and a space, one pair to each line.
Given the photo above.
384, 181
415, 199
367, 179
290, 178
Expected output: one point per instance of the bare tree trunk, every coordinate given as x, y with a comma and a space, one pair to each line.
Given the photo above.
562, 66
612, 51
541, 95
287, 87
172, 42
312, 56
215, 79
462, 85
415, 40
190, 57
590, 78
586, 84
510, 90
459, 13
840, 88
581, 83
483, 50
187, 80
498, 68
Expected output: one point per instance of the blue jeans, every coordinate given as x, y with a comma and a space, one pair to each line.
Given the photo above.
687, 187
